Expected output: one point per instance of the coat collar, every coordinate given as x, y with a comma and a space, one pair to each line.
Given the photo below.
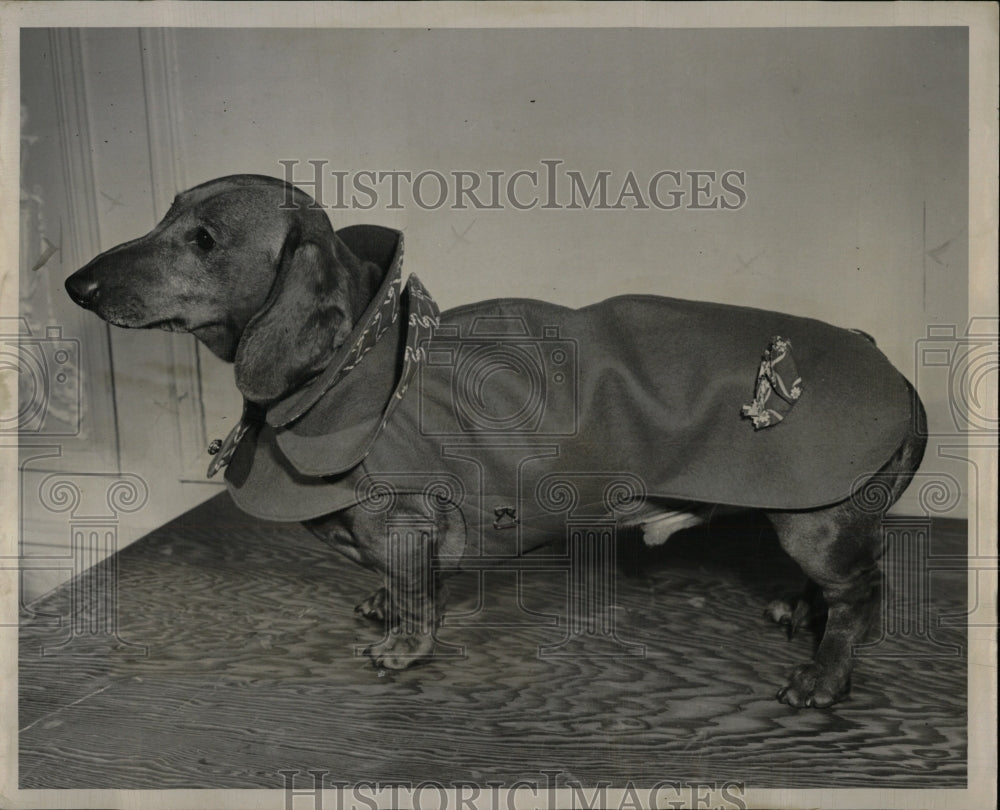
350, 409
384, 247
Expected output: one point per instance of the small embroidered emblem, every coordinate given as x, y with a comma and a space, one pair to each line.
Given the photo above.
784, 382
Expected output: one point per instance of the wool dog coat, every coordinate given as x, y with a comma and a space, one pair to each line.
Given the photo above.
523, 412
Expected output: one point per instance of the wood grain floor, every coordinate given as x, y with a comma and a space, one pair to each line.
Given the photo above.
237, 659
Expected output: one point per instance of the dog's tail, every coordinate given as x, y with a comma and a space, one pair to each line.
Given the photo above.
882, 489
911, 452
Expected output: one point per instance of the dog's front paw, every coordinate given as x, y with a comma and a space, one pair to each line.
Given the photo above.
810, 686
399, 650
375, 606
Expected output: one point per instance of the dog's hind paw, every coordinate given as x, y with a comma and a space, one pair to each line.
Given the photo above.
374, 607
792, 615
399, 650
809, 686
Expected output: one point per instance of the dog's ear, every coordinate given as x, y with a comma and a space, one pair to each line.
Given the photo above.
303, 320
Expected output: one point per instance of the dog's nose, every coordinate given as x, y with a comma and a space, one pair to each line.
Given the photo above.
82, 288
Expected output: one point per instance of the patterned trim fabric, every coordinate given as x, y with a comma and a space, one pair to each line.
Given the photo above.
382, 318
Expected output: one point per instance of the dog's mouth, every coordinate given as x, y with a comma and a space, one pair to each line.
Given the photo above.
170, 325
214, 334
166, 324
124, 319
177, 325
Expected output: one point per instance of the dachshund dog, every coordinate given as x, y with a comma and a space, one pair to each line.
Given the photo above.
343, 369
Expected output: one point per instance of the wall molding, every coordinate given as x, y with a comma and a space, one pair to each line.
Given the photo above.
164, 120
81, 241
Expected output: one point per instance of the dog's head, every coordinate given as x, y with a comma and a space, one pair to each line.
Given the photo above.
249, 265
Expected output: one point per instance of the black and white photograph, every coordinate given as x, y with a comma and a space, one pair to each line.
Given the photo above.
498, 405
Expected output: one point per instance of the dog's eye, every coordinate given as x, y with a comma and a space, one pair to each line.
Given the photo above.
203, 239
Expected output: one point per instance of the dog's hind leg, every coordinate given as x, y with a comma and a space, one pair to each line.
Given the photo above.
839, 548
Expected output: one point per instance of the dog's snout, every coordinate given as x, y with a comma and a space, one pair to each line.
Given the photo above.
82, 288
